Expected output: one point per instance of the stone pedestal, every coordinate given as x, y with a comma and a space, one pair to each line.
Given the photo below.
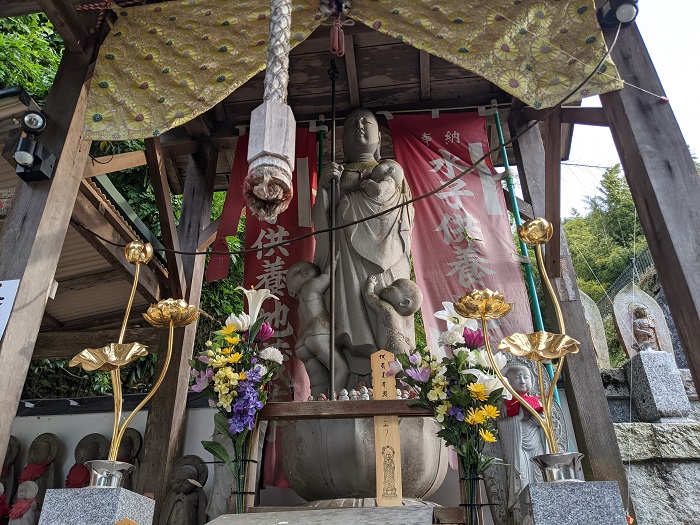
96, 506
573, 503
657, 390
414, 515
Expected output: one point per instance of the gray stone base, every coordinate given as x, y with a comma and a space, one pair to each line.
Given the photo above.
572, 503
657, 388
414, 515
95, 506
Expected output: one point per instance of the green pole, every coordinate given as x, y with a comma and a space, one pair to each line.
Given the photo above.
529, 279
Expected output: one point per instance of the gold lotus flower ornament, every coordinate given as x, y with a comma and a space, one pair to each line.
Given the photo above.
175, 311
138, 252
109, 357
535, 231
482, 304
539, 346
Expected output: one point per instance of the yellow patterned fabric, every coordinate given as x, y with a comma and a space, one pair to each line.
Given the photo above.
536, 50
164, 64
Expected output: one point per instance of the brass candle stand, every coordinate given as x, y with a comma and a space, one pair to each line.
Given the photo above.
168, 313
538, 346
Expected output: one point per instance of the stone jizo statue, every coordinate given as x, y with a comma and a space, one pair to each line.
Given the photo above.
91, 447
8, 478
128, 452
186, 503
521, 436
25, 510
644, 329
377, 247
40, 465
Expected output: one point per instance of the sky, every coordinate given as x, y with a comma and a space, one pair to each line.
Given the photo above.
670, 31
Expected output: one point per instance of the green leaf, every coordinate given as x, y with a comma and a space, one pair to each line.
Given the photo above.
218, 451
221, 424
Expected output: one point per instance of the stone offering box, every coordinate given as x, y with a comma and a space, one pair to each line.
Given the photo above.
96, 506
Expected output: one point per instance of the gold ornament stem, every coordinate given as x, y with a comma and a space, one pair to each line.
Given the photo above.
115, 376
156, 386
546, 426
548, 284
557, 373
130, 303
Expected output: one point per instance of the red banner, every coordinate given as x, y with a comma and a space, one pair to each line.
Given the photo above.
462, 238
268, 269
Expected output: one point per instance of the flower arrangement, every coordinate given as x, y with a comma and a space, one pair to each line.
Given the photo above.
463, 393
233, 371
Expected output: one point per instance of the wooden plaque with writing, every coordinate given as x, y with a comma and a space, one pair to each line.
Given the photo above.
387, 443
126, 521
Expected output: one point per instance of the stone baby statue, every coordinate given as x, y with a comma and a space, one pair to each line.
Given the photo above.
25, 510
186, 503
306, 283
521, 436
644, 329
394, 307
91, 447
40, 464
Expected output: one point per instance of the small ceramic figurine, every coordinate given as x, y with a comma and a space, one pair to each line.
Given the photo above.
186, 503
24, 510
91, 447
344, 395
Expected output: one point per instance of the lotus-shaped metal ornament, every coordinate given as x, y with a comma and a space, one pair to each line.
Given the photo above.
109, 357
175, 311
138, 252
539, 346
482, 304
535, 231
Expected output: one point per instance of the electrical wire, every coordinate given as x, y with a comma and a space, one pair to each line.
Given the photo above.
441, 187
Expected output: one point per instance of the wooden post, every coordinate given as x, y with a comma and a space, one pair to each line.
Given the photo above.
165, 427
552, 185
585, 395
34, 231
664, 183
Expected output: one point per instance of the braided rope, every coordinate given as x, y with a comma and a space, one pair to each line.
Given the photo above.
277, 73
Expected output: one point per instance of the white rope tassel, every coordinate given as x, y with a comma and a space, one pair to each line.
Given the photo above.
268, 186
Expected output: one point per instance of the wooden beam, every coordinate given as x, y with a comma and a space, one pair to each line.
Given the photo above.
85, 213
168, 228
171, 170
208, 235
552, 186
351, 72
199, 127
424, 68
664, 183
276, 411
595, 435
49, 321
112, 163
572, 115
66, 344
87, 282
525, 208
104, 322
177, 147
65, 19
165, 427
36, 228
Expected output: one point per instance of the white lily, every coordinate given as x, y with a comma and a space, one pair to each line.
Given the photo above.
455, 322
255, 300
240, 323
482, 359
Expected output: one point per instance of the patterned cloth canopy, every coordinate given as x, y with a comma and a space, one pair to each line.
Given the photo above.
164, 64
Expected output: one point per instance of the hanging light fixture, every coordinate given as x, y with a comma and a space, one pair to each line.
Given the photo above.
615, 12
34, 161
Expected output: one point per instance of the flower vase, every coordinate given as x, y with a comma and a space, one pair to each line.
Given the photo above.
469, 484
240, 463
108, 474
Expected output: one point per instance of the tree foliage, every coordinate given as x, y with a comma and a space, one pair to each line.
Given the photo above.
603, 241
30, 51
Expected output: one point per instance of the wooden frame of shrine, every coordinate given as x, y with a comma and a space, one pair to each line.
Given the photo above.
188, 160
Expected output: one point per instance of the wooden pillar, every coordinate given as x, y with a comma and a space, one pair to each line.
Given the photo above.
31, 241
165, 428
593, 426
664, 183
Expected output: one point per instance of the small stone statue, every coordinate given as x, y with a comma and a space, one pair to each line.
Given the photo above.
91, 447
24, 510
521, 436
186, 503
394, 308
128, 452
8, 476
644, 329
306, 283
40, 465
354, 395
343, 395
4, 506
364, 393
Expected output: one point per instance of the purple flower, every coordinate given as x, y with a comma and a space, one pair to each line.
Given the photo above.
422, 374
246, 406
265, 332
202, 381
456, 412
415, 359
212, 403
473, 339
204, 359
394, 368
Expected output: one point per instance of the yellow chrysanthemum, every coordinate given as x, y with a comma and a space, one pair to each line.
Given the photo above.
487, 436
228, 330
234, 358
226, 351
490, 411
242, 376
478, 391
474, 417
233, 340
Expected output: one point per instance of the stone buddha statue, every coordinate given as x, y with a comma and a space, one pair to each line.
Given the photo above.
644, 329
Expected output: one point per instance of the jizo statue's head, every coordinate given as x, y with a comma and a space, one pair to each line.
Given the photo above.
361, 136
520, 379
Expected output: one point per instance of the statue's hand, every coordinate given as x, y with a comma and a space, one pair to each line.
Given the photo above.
371, 188
331, 171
